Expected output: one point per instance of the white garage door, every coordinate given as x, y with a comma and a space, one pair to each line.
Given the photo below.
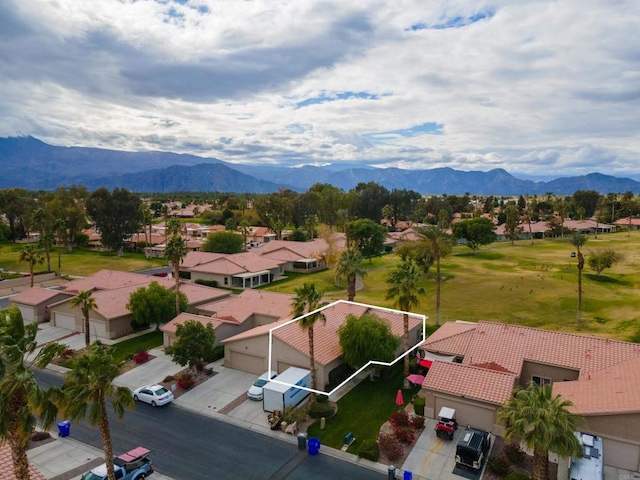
27, 312
64, 321
467, 413
620, 454
246, 362
97, 329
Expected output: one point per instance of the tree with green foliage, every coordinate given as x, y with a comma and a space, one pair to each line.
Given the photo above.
587, 200
578, 240
367, 337
223, 242
116, 215
155, 304
23, 404
87, 303
348, 268
368, 200
367, 236
194, 345
440, 245
603, 258
43, 223
476, 231
405, 292
543, 423
512, 227
174, 252
417, 252
32, 254
88, 386
275, 210
304, 305
244, 227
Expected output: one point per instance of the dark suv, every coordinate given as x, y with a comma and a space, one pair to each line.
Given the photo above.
473, 448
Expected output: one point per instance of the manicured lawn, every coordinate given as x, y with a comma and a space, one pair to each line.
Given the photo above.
125, 349
363, 410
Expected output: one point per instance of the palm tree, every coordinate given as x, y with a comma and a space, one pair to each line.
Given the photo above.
543, 423
174, 252
60, 229
32, 254
348, 268
245, 229
578, 240
41, 220
86, 302
22, 401
404, 291
90, 384
440, 244
308, 300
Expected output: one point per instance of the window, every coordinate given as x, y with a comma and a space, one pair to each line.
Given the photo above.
226, 280
541, 380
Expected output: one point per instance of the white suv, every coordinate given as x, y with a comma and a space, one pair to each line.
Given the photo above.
255, 391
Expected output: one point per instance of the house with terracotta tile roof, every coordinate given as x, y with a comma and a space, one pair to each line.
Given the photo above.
6, 465
248, 351
33, 302
300, 256
600, 376
238, 270
111, 291
629, 223
235, 314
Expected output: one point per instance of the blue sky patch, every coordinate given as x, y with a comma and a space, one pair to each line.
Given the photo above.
428, 128
324, 98
454, 22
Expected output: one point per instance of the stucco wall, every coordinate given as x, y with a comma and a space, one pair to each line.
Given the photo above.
555, 373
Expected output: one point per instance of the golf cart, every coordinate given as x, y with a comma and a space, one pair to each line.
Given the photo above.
447, 425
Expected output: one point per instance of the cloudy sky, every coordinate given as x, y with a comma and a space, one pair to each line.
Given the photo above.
536, 87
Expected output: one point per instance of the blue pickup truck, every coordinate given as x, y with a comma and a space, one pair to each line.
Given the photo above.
132, 465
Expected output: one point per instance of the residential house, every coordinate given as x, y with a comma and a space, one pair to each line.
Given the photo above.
248, 351
235, 314
300, 256
33, 302
238, 270
629, 223
111, 291
600, 376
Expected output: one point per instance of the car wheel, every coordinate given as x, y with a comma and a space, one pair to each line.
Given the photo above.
135, 397
153, 403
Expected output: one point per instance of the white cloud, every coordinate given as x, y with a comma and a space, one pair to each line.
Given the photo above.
531, 86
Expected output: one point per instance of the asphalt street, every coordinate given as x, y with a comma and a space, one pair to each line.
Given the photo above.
188, 446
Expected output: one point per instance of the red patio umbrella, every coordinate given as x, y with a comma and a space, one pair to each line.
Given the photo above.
426, 363
399, 399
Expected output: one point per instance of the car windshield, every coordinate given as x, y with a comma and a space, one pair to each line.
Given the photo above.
91, 476
161, 391
259, 383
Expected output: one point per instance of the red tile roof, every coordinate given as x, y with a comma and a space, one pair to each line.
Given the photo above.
452, 338
172, 326
234, 264
6, 465
107, 279
470, 382
251, 302
36, 295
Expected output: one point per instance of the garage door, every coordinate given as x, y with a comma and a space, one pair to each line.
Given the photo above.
620, 454
246, 362
97, 329
468, 413
27, 313
64, 321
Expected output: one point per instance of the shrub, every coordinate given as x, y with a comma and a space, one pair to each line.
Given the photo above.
319, 410
417, 422
418, 405
514, 453
369, 450
218, 353
498, 465
338, 374
517, 476
39, 436
186, 381
68, 353
390, 446
207, 283
169, 378
322, 399
141, 357
405, 435
400, 419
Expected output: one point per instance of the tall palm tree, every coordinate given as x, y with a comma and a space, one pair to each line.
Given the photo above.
60, 230
22, 401
42, 221
32, 254
307, 300
349, 267
88, 385
543, 423
86, 302
245, 229
578, 240
440, 244
174, 252
405, 291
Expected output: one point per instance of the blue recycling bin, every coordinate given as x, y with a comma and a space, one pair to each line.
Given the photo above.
63, 428
408, 475
314, 445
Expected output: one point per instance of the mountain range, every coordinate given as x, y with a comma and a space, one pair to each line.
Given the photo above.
26, 162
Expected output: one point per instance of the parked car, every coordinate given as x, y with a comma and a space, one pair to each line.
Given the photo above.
132, 465
255, 391
155, 395
473, 448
